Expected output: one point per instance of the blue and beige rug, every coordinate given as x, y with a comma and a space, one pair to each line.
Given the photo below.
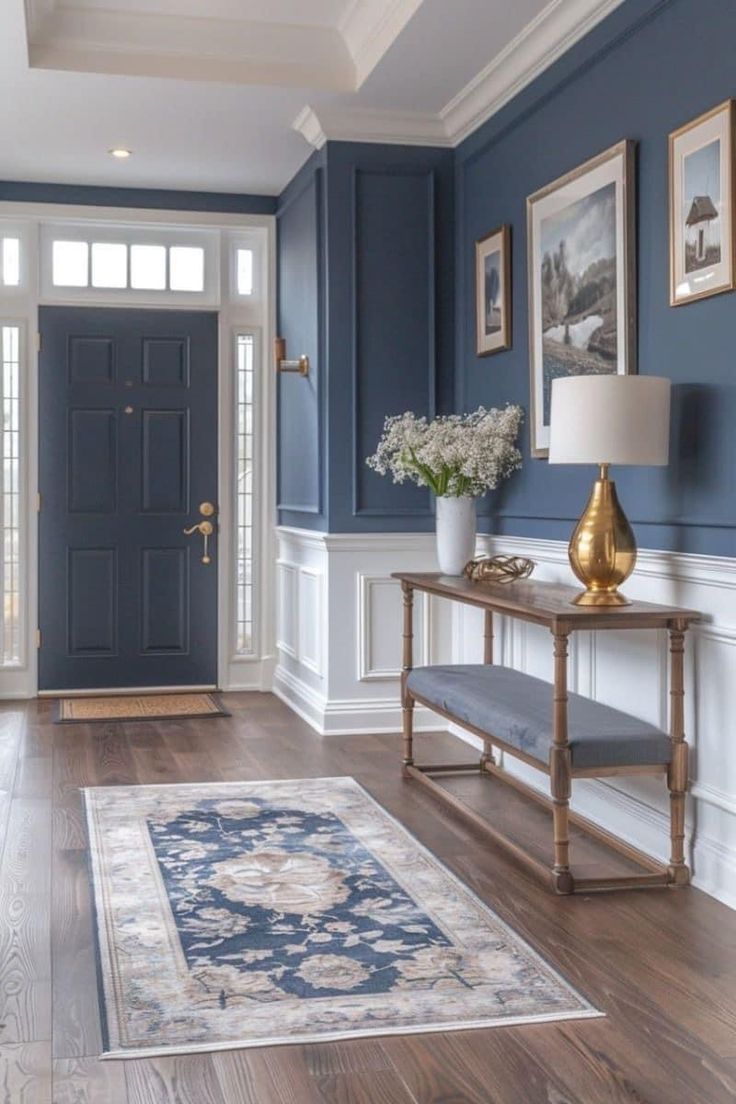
255, 913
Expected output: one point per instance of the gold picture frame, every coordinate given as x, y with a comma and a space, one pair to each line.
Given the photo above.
581, 256
493, 291
702, 206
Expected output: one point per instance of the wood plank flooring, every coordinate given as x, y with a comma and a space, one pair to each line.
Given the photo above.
661, 964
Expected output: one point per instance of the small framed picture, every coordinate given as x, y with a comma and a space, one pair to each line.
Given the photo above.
493, 292
582, 279
702, 206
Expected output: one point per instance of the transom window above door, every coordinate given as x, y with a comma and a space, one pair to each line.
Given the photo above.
158, 266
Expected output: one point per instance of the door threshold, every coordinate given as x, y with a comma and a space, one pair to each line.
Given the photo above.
117, 690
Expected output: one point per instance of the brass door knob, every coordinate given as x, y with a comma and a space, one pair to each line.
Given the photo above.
207, 509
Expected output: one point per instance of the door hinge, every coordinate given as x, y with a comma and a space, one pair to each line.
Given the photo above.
38, 503
38, 342
38, 638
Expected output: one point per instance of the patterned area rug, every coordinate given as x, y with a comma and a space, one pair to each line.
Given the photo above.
255, 913
138, 707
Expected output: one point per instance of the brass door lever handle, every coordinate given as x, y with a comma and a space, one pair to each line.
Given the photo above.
206, 528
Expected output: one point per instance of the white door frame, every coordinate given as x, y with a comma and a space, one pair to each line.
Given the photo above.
235, 672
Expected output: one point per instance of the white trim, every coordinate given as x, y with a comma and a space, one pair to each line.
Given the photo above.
369, 30
362, 124
118, 692
550, 34
256, 314
556, 28
367, 672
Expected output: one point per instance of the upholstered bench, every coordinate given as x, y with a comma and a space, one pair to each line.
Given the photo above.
559, 733
515, 708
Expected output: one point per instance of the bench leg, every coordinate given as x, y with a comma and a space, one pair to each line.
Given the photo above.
407, 702
560, 768
407, 713
677, 773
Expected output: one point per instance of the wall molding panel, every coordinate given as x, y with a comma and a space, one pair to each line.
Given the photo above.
341, 605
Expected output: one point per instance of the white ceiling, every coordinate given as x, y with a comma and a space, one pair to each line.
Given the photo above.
206, 92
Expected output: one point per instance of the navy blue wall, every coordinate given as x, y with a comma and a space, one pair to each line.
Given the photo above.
157, 199
651, 66
366, 248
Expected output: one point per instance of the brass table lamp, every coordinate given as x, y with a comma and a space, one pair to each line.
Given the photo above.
607, 420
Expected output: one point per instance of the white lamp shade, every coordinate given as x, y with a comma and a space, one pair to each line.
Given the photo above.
610, 420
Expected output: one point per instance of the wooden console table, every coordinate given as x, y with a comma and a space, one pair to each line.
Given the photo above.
628, 747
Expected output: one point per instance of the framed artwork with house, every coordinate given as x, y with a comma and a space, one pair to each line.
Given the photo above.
702, 206
493, 292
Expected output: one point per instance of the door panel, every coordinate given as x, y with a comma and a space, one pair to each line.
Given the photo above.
128, 450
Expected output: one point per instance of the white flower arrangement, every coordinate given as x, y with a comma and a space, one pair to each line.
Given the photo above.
455, 455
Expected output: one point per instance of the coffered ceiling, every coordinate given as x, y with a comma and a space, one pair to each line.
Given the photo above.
220, 95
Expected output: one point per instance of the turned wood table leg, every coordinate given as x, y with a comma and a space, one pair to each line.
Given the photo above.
487, 755
560, 769
407, 702
677, 775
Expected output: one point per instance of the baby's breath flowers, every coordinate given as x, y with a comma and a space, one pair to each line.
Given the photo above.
455, 455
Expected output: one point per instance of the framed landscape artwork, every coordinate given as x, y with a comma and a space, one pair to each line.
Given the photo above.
702, 206
493, 292
582, 280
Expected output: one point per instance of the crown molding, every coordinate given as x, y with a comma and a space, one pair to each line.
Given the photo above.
369, 30
555, 30
550, 34
400, 128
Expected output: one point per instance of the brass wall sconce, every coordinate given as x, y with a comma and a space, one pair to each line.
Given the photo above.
283, 365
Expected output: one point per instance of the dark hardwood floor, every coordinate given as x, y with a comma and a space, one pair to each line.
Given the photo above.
660, 964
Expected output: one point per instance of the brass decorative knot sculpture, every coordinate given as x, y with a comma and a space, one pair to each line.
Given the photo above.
498, 569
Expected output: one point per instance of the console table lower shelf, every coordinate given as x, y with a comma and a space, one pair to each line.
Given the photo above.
603, 861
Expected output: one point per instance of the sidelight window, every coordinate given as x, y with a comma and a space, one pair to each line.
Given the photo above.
244, 396
10, 352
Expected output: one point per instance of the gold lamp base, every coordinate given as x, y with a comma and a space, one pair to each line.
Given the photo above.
602, 548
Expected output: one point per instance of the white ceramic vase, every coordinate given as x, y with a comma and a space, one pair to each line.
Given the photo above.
456, 524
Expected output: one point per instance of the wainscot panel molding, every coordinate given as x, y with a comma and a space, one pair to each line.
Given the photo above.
339, 628
300, 308
393, 320
338, 602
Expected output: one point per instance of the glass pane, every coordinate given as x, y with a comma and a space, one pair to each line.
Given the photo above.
245, 271
70, 264
109, 265
244, 365
186, 268
10, 496
148, 267
11, 261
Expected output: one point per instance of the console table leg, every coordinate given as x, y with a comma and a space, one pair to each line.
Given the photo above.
561, 771
679, 873
407, 702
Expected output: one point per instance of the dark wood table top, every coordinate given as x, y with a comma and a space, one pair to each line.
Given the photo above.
548, 604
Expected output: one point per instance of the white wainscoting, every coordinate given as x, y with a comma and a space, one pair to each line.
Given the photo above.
339, 647
339, 628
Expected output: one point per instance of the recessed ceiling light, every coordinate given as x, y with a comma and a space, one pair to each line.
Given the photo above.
120, 152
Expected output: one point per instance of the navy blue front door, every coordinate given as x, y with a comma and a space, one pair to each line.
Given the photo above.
128, 452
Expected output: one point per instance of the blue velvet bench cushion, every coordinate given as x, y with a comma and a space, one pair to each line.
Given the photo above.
517, 709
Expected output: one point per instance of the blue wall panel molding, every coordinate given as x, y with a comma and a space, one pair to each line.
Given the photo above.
157, 199
391, 317
394, 348
301, 429
640, 74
